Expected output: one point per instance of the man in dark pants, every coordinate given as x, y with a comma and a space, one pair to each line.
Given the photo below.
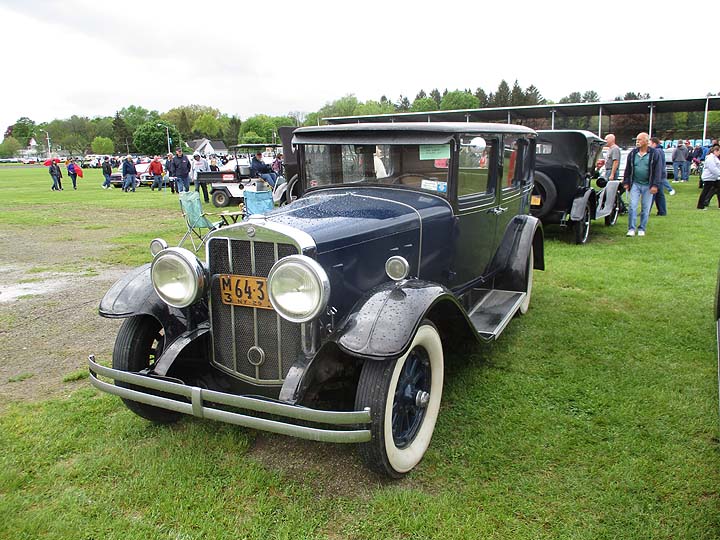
107, 171
659, 199
200, 164
180, 167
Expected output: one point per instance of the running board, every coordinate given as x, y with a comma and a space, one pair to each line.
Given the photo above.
493, 310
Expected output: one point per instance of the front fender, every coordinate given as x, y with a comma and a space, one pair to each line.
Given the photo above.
383, 322
577, 212
133, 294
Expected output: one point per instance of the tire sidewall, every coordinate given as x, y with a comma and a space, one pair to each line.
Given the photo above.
403, 460
525, 305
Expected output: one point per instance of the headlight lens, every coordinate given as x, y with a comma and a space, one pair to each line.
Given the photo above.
299, 288
178, 277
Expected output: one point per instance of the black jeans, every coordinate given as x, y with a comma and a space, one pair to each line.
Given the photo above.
710, 188
202, 185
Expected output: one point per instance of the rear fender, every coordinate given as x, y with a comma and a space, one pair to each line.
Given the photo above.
510, 262
134, 295
381, 325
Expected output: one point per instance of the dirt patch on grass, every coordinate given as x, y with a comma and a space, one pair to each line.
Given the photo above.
49, 295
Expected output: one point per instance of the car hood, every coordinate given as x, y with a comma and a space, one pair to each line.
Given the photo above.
338, 217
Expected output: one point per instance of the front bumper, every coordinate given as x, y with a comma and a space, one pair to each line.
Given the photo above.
342, 422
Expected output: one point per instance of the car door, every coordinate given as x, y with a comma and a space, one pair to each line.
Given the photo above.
477, 195
513, 195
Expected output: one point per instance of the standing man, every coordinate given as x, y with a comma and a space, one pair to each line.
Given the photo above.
679, 156
659, 199
107, 171
168, 176
129, 172
688, 160
200, 164
180, 168
642, 178
156, 170
612, 161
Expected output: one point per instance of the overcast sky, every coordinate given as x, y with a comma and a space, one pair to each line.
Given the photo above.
84, 57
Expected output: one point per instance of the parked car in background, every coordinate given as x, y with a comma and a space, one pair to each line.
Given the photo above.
563, 193
330, 318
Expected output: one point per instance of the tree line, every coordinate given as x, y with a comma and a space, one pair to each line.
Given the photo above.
136, 129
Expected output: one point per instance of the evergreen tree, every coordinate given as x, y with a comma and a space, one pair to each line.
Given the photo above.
421, 94
502, 96
435, 94
120, 134
533, 96
517, 96
482, 97
403, 104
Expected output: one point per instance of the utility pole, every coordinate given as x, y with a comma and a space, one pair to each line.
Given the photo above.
167, 133
47, 138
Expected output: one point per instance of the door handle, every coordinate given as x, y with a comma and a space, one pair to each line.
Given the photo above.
498, 210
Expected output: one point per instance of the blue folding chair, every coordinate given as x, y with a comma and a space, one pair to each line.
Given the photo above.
195, 219
258, 202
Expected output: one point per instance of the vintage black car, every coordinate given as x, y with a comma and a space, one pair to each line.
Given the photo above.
330, 318
563, 193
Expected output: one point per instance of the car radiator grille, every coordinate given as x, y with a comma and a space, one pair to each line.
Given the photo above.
240, 335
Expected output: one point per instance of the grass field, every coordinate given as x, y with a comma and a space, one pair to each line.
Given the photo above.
594, 416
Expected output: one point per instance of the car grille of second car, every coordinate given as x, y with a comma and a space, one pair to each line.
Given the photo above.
238, 329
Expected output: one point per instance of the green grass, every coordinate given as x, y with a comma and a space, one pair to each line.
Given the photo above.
20, 378
594, 416
76, 375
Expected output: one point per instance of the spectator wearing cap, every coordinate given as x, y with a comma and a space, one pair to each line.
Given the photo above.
129, 172
679, 157
107, 172
258, 168
180, 168
200, 164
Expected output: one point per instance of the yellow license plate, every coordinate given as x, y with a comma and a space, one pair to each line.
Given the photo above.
535, 200
250, 291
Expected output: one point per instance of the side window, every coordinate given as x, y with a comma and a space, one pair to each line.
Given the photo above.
475, 170
517, 169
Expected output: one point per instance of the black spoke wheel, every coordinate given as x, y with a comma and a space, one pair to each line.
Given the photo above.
581, 229
611, 219
139, 344
404, 399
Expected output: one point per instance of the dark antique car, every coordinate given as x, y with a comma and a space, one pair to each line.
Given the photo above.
563, 193
329, 318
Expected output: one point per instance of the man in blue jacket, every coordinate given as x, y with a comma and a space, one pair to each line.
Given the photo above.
180, 168
642, 179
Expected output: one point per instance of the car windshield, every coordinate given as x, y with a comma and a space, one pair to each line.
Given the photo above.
423, 166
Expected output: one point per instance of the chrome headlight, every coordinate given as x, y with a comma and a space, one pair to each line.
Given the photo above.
298, 288
178, 277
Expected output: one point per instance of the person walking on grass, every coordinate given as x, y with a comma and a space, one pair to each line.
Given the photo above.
200, 164
107, 172
659, 198
710, 178
72, 173
679, 156
642, 178
56, 175
129, 172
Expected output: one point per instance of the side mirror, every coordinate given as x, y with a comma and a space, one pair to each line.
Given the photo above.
478, 144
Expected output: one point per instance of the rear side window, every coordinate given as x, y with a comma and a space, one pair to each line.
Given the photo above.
517, 161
